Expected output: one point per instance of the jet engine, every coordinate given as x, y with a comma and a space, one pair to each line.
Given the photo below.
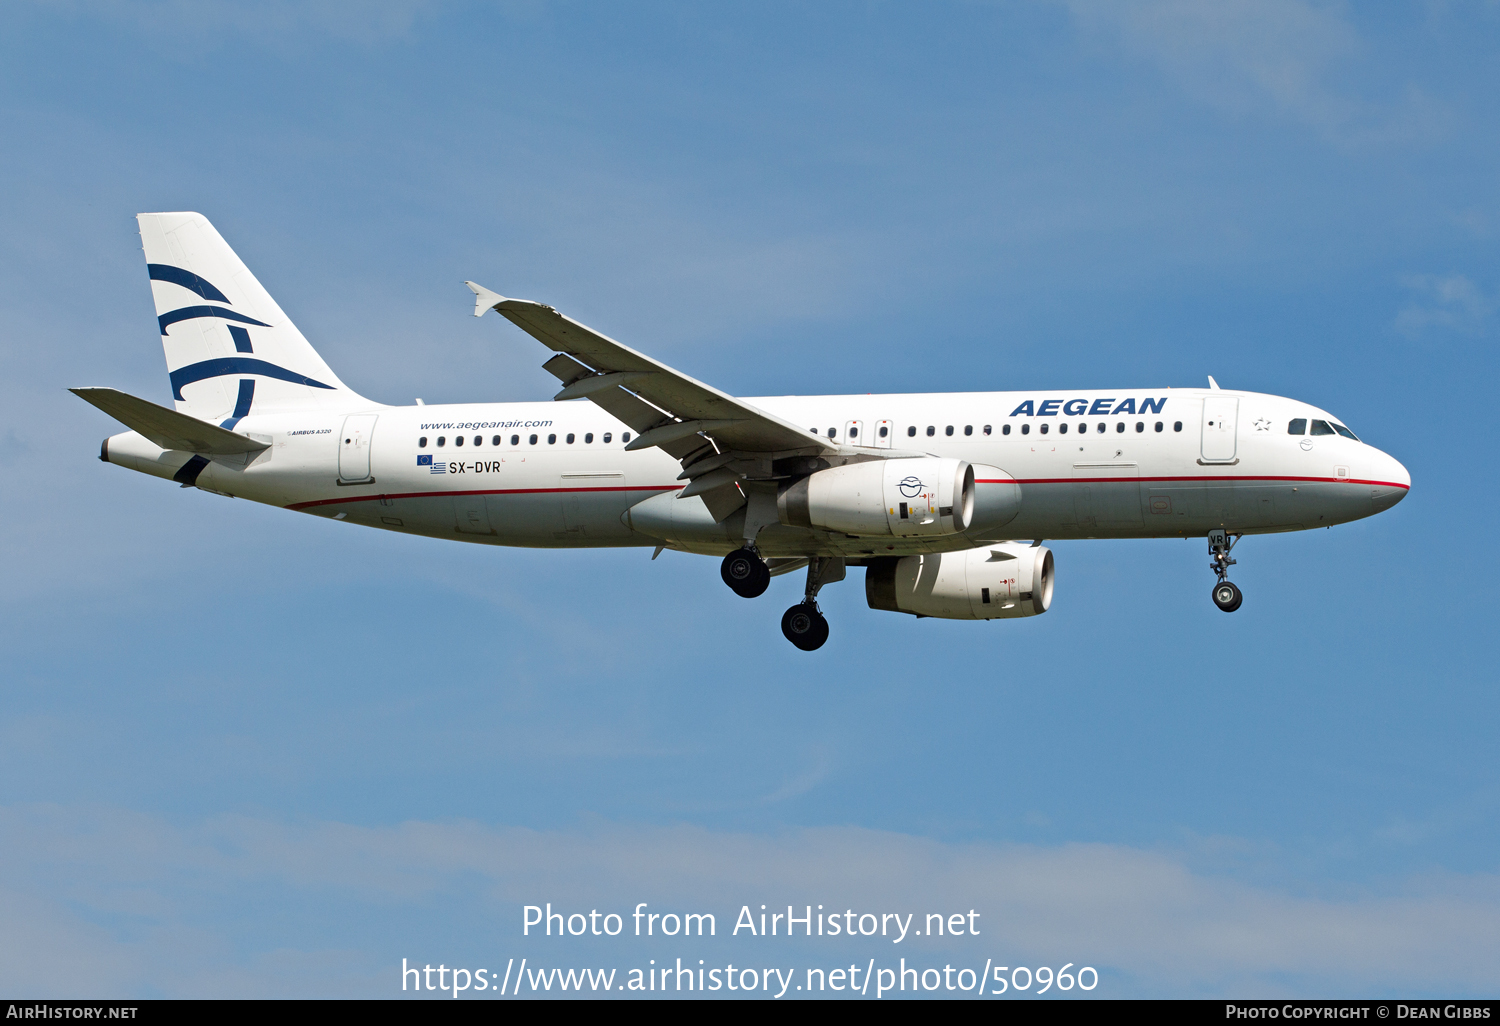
991, 582
904, 498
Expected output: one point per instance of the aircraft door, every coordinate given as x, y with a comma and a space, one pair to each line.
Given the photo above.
885, 431
354, 447
854, 433
1220, 416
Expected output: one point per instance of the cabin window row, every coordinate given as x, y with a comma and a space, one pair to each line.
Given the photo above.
1062, 428
515, 440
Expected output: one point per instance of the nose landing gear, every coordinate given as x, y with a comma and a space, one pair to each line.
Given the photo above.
1227, 596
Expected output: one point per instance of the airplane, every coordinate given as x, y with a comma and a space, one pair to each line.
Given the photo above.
943, 498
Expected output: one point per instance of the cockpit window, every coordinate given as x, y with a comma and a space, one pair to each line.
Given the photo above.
1320, 427
1344, 431
1298, 426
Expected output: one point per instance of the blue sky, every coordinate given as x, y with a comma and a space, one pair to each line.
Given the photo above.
244, 752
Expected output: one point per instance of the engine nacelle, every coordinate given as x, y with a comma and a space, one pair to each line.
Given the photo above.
988, 583
903, 498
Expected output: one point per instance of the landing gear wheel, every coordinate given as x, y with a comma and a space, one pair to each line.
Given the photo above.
746, 573
1227, 597
804, 626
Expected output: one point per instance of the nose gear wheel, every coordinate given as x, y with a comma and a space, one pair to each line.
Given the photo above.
1227, 596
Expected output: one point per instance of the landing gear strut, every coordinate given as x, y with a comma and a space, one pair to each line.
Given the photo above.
803, 624
1226, 595
746, 573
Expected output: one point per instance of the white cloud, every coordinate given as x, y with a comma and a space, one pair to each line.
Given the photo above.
1450, 301
141, 905
1246, 56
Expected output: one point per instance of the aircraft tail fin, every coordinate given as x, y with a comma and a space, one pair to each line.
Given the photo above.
229, 347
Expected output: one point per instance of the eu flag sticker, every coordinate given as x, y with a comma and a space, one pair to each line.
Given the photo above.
424, 461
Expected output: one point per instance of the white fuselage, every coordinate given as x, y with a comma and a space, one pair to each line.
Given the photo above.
543, 474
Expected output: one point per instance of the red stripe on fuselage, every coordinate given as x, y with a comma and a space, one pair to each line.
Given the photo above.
674, 487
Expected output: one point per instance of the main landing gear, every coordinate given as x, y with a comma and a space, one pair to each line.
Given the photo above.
746, 573
1226, 595
803, 624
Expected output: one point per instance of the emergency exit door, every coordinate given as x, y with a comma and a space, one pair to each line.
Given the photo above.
354, 447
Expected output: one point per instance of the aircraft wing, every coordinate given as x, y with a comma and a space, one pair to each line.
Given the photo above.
667, 408
168, 428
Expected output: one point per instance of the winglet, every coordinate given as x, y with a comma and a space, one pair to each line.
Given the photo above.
484, 299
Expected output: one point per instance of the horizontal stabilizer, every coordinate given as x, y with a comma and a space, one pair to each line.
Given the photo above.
168, 428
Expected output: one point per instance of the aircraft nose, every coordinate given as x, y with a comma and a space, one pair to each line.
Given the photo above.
1391, 483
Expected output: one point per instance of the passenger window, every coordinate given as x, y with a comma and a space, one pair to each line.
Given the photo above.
1102, 427
948, 431
532, 440
496, 440
1025, 429
1062, 428
1298, 426
832, 432
1120, 427
458, 440
1005, 429
931, 430
478, 439
624, 436
854, 432
606, 437
911, 432
968, 429
422, 442
1140, 426
570, 438
1158, 427
1320, 427
1344, 431
588, 439
515, 440
1177, 425
884, 431
987, 429
1044, 429
442, 441
551, 439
